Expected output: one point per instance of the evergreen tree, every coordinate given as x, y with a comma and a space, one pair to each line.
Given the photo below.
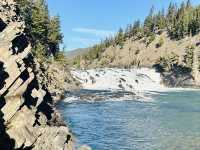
136, 28
43, 31
179, 22
171, 17
128, 31
54, 34
160, 20
26, 7
119, 40
188, 4
188, 57
40, 19
149, 22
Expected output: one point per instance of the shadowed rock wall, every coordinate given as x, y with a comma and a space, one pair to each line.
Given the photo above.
28, 119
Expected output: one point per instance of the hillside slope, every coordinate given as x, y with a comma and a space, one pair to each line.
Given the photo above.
136, 53
167, 40
77, 52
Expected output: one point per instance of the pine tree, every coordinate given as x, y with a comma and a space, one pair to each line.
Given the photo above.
188, 4
171, 17
136, 28
188, 57
119, 40
26, 7
40, 19
149, 22
43, 31
160, 20
128, 31
54, 34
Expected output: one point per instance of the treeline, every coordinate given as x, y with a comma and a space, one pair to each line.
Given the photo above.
43, 30
177, 21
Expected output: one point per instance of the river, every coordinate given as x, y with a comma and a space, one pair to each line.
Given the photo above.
119, 120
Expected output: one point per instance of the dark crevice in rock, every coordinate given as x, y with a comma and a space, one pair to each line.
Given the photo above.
6, 143
19, 44
46, 106
2, 25
2, 101
37, 116
24, 75
68, 139
18, 65
3, 75
25, 148
29, 61
29, 100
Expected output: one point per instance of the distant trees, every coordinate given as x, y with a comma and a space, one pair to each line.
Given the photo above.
43, 31
188, 57
54, 35
149, 23
168, 62
120, 38
184, 20
177, 21
136, 28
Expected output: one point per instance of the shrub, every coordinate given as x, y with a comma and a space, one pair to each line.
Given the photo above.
137, 52
150, 39
61, 57
77, 62
167, 63
188, 57
160, 43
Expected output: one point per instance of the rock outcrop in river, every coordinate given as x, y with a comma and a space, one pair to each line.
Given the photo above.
28, 119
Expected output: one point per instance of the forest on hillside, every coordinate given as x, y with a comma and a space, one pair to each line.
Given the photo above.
178, 21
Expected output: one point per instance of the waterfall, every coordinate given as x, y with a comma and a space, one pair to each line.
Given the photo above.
132, 80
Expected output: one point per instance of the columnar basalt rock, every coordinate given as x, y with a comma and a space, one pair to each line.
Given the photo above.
27, 114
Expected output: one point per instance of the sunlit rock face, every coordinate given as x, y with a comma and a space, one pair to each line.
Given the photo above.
28, 119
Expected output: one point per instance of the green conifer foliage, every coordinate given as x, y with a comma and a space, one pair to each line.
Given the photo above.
43, 31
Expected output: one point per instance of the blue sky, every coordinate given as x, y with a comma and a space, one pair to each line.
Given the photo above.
86, 22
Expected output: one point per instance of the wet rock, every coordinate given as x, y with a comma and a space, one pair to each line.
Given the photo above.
85, 147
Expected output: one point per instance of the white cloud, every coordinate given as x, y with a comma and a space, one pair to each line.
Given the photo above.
96, 32
85, 41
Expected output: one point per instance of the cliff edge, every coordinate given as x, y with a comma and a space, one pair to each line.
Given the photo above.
28, 119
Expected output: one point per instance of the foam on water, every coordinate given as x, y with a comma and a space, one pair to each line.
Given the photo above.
164, 118
132, 80
142, 82
170, 122
125, 97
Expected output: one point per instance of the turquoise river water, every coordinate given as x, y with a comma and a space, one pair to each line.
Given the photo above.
170, 121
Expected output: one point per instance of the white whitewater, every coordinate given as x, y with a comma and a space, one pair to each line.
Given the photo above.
132, 80
141, 84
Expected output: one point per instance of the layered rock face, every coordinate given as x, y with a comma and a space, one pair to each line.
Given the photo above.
28, 119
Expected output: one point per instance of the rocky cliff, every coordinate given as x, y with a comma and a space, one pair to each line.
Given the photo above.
28, 119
